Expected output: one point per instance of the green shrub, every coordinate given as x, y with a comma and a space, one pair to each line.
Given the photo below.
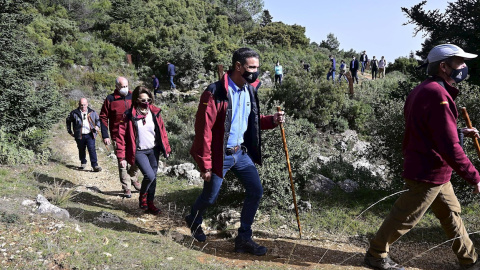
338, 169
302, 148
318, 102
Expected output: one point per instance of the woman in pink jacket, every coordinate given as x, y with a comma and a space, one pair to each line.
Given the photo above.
142, 138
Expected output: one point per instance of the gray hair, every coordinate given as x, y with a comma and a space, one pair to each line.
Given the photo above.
434, 67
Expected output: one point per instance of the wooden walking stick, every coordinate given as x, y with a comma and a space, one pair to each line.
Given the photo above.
290, 174
469, 125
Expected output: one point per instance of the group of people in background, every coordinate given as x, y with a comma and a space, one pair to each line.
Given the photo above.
376, 66
228, 126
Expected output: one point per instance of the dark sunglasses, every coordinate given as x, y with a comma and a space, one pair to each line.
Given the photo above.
144, 100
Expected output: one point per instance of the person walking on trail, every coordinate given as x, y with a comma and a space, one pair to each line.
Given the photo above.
382, 65
142, 137
305, 66
354, 68
331, 71
374, 67
227, 132
171, 74
111, 116
278, 73
343, 70
431, 150
156, 86
86, 123
363, 61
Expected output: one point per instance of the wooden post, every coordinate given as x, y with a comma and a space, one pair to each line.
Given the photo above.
220, 71
350, 82
129, 58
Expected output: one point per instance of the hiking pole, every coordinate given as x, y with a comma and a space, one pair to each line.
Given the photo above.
290, 174
469, 125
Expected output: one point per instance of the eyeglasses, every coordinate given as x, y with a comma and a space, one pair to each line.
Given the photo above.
143, 100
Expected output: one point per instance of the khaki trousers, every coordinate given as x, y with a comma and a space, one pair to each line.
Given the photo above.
381, 72
127, 174
409, 209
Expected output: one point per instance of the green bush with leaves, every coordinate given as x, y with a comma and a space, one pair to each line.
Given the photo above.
302, 148
29, 102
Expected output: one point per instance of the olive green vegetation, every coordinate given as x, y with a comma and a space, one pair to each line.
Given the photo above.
55, 51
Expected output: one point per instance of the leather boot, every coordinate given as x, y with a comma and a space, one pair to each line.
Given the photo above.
142, 201
152, 209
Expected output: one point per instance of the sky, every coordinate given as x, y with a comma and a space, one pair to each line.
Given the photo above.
374, 26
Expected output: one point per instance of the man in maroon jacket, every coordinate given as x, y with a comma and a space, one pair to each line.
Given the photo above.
111, 115
431, 150
227, 137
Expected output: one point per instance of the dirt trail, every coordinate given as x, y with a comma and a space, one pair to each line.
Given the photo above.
326, 252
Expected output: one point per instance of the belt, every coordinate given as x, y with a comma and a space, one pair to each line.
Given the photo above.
232, 150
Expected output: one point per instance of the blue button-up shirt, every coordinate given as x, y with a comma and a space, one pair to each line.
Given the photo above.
241, 108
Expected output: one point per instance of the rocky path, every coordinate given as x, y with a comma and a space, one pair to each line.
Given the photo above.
102, 190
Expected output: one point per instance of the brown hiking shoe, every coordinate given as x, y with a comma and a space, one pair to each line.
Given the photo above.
136, 185
97, 168
381, 263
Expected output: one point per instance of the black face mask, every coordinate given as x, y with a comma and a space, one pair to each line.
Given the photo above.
250, 77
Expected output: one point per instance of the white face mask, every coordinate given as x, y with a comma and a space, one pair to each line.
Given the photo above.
124, 91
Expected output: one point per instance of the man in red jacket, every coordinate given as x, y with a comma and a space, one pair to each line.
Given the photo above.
227, 137
431, 150
111, 115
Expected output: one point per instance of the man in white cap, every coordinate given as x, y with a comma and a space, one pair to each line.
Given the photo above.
431, 150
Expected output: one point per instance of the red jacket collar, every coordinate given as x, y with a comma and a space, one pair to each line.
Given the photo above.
154, 109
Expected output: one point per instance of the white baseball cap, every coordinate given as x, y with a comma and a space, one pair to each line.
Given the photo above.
444, 51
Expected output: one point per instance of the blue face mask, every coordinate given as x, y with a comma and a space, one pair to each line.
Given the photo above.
459, 75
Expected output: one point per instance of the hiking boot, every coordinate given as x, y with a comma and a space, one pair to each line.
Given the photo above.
142, 201
97, 168
127, 193
136, 185
83, 166
196, 230
243, 245
152, 209
381, 263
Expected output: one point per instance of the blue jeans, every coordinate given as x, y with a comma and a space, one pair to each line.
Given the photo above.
242, 166
332, 74
364, 65
172, 85
87, 142
147, 162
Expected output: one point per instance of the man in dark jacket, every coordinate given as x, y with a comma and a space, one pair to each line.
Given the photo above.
111, 116
331, 71
156, 86
227, 137
86, 124
431, 150
171, 74
354, 68
364, 61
